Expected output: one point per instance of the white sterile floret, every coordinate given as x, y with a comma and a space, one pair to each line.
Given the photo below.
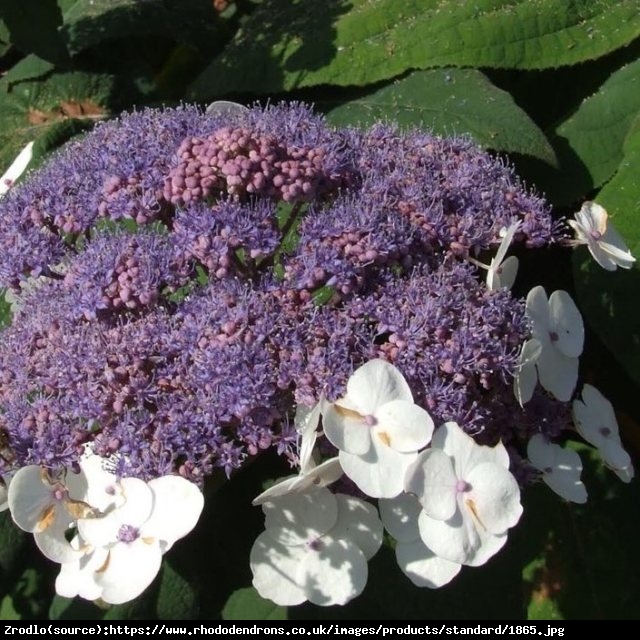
16, 169
315, 547
226, 108
42, 504
526, 376
126, 545
596, 422
469, 497
593, 228
400, 518
557, 325
501, 272
377, 428
560, 467
310, 475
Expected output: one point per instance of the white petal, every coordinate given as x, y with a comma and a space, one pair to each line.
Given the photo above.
494, 498
345, 429
619, 256
375, 383
626, 475
334, 574
537, 307
16, 169
459, 540
432, 479
557, 373
78, 578
561, 468
295, 519
455, 539
177, 507
603, 257
502, 274
306, 421
31, 499
526, 376
423, 567
614, 455
130, 568
592, 217
359, 523
400, 517
274, 568
226, 108
567, 324
94, 484
53, 542
465, 451
323, 475
595, 418
403, 426
380, 472
4, 503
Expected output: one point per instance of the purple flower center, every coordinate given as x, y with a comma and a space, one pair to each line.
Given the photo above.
553, 336
128, 533
462, 486
370, 420
315, 545
605, 431
595, 234
60, 492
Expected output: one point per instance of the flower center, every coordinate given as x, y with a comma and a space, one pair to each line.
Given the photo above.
59, 492
128, 533
370, 420
595, 234
462, 486
605, 431
315, 545
553, 336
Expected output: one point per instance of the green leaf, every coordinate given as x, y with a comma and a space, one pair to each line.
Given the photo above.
33, 27
609, 299
287, 44
90, 22
177, 599
74, 609
7, 610
12, 541
451, 101
29, 68
30, 109
246, 604
589, 143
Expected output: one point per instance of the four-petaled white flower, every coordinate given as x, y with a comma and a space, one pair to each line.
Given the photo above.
593, 228
400, 518
469, 497
310, 475
315, 547
557, 326
377, 428
595, 421
16, 169
123, 549
560, 467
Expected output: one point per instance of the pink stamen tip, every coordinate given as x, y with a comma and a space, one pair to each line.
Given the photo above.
370, 420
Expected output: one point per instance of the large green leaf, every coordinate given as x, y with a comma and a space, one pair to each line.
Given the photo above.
28, 110
177, 599
451, 101
246, 604
589, 143
33, 27
286, 44
609, 300
90, 22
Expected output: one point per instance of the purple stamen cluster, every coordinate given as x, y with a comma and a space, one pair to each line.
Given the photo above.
240, 163
203, 274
